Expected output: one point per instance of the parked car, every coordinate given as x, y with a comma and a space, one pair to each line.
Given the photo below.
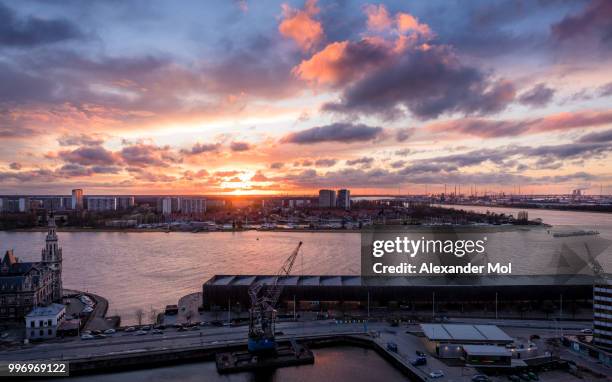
157, 331
195, 328
146, 327
419, 361
586, 331
533, 376
480, 378
514, 378
524, 377
141, 333
420, 353
182, 329
87, 337
100, 336
392, 346
109, 331
130, 329
436, 374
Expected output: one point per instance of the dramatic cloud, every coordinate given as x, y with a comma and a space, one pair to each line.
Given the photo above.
427, 82
30, 31
363, 162
594, 20
402, 135
336, 132
342, 62
200, 148
378, 17
240, 146
301, 26
89, 155
509, 128
145, 155
539, 95
598, 137
259, 177
80, 140
89, 100
325, 162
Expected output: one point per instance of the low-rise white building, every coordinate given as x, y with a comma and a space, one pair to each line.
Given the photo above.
43, 321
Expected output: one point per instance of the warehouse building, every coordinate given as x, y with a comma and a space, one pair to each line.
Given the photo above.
450, 341
331, 290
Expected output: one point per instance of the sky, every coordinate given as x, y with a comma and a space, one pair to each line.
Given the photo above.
265, 97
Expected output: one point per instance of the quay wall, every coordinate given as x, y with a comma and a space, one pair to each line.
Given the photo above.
206, 353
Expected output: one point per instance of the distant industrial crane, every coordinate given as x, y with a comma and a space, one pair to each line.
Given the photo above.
262, 314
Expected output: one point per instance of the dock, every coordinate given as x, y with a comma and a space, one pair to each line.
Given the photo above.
292, 354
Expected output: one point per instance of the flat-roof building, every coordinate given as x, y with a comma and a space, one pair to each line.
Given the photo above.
410, 291
486, 356
43, 321
450, 340
327, 198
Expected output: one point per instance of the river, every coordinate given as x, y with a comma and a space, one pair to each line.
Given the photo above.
148, 270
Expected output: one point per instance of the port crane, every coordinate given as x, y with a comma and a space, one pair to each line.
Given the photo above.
262, 314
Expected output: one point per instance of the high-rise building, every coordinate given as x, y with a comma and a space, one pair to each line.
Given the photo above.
125, 202
327, 198
77, 199
101, 203
344, 199
170, 205
193, 206
602, 313
66, 202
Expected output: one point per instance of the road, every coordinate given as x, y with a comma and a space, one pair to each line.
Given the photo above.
123, 342
172, 338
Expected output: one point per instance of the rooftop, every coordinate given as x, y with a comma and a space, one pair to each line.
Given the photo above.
50, 310
461, 332
398, 281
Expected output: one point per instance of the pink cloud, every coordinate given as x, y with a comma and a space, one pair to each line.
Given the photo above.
300, 25
378, 17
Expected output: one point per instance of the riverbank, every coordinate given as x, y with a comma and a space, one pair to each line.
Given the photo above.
300, 230
97, 319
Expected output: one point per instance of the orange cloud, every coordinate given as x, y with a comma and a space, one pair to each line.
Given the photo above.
300, 26
323, 67
378, 17
341, 62
406, 23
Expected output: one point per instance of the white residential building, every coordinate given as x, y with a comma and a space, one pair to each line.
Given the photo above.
43, 321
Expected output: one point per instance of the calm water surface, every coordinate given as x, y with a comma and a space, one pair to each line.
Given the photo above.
334, 364
148, 270
152, 269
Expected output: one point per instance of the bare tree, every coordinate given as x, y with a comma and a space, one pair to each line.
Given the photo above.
139, 315
153, 316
